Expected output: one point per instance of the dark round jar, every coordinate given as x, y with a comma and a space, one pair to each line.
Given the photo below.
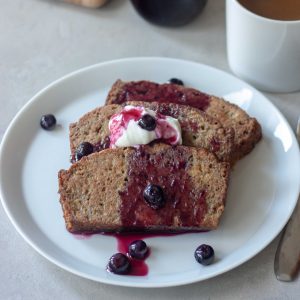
169, 12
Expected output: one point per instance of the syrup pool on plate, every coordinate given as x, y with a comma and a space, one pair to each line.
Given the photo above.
138, 266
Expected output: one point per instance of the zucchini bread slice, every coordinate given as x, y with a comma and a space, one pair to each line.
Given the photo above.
198, 129
247, 130
106, 191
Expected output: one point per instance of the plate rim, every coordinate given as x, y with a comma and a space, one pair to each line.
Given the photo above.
145, 284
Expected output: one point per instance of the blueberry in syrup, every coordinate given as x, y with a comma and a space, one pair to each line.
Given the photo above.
83, 149
204, 254
176, 81
138, 249
154, 196
119, 264
147, 122
48, 122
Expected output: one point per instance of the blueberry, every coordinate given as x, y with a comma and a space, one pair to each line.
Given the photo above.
138, 249
83, 149
147, 122
154, 196
204, 254
48, 122
119, 264
176, 81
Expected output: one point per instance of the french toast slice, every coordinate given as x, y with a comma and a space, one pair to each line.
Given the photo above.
247, 130
105, 191
198, 129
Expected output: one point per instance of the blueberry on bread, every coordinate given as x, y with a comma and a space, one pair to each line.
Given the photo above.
247, 130
105, 190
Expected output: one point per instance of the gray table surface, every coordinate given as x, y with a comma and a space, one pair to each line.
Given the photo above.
41, 41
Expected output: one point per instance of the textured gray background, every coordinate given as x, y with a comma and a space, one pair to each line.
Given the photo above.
41, 41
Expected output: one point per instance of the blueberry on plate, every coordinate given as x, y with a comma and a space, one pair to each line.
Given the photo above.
176, 81
147, 122
119, 264
48, 122
154, 196
83, 149
204, 254
138, 249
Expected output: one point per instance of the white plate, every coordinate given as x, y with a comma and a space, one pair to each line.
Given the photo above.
262, 194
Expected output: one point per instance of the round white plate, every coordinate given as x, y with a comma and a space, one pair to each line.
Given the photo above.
262, 194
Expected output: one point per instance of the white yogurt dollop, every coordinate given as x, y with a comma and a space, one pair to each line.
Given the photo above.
125, 130
135, 135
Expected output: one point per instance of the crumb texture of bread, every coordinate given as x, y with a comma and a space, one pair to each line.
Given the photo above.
89, 191
247, 130
198, 129
104, 191
92, 127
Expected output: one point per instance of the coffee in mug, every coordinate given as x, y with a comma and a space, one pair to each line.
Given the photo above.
286, 10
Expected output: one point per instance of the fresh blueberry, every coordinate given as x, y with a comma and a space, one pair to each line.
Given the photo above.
83, 149
138, 249
119, 264
204, 254
147, 122
154, 196
176, 81
48, 122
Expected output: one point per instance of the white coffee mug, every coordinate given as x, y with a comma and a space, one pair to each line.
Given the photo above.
264, 52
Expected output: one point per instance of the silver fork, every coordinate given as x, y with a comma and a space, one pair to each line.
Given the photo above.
287, 258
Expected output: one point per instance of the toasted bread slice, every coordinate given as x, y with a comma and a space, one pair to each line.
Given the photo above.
104, 191
247, 130
198, 129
